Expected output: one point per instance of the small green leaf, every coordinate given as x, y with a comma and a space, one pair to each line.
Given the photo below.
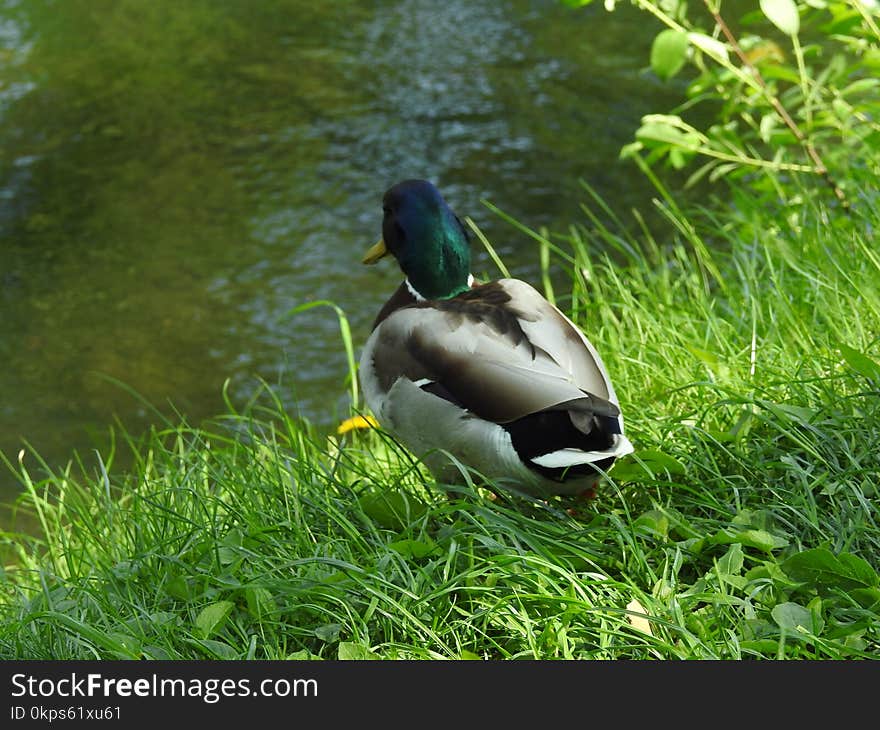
125, 569
860, 86
652, 523
212, 617
301, 655
166, 618
772, 571
789, 616
631, 149
815, 608
219, 649
821, 568
108, 641
328, 632
756, 629
647, 463
842, 109
668, 53
722, 170
867, 598
151, 651
858, 569
781, 73
786, 412
227, 556
131, 645
660, 130
259, 602
469, 655
758, 539
731, 562
178, 588
709, 358
678, 159
709, 45
393, 509
413, 548
334, 578
760, 646
783, 14
349, 651
762, 540
768, 123
699, 174
862, 364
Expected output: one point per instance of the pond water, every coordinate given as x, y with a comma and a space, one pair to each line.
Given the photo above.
176, 176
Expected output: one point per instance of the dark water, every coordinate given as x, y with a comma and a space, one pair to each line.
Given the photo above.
176, 176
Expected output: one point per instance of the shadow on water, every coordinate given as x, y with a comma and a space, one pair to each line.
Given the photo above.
175, 177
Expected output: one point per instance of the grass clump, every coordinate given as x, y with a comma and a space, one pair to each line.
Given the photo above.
745, 354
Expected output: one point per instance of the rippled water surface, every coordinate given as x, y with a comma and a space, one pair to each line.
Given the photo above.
176, 176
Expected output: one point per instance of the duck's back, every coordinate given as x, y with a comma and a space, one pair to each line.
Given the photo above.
490, 365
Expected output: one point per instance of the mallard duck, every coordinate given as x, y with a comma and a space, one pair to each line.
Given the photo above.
490, 374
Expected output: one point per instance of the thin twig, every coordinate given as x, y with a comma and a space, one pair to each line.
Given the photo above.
820, 168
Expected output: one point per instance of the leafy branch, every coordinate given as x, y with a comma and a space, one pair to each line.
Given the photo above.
826, 99
820, 167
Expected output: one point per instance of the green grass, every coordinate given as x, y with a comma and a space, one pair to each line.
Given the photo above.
745, 354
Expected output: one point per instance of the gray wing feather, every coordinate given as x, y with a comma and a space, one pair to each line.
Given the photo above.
548, 328
487, 373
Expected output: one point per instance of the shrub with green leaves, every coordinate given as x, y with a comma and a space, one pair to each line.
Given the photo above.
793, 87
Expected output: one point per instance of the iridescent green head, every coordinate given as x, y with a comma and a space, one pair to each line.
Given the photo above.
427, 239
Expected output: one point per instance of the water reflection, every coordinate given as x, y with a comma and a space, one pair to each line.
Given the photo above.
177, 176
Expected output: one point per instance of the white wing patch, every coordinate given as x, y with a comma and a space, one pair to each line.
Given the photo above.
572, 457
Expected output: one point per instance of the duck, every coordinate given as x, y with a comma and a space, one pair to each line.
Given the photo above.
488, 377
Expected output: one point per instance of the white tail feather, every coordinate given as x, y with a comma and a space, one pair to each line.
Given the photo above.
572, 457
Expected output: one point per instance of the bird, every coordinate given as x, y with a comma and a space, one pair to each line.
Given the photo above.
486, 376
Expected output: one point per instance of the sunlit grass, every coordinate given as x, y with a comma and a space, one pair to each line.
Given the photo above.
745, 354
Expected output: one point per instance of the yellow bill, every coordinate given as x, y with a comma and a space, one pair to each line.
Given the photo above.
376, 253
